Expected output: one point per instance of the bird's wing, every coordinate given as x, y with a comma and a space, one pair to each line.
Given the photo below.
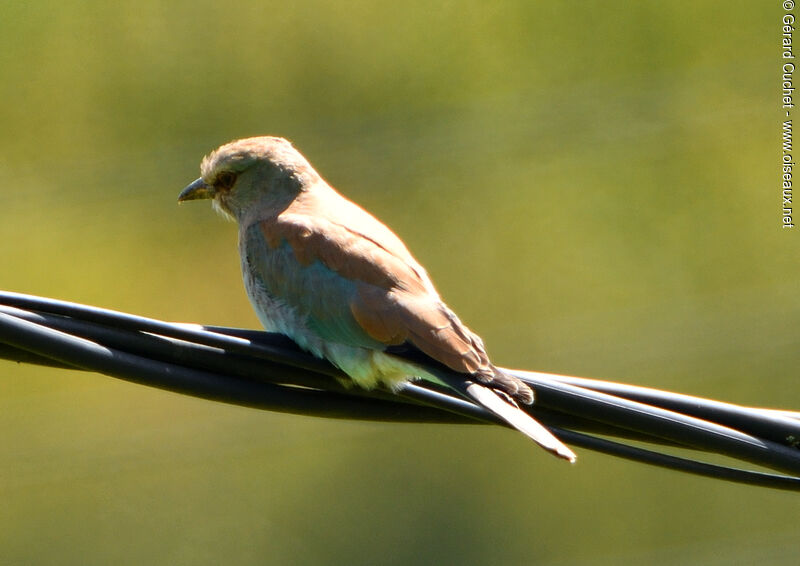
357, 291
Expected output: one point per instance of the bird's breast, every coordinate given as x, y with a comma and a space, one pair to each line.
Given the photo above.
308, 301
275, 309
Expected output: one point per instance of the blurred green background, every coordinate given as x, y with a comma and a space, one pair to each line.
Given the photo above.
593, 187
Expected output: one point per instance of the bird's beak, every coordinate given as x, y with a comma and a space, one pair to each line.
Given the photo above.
197, 190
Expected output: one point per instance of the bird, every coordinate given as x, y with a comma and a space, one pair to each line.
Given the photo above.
323, 271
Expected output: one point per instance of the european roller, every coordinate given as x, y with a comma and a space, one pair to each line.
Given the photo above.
323, 271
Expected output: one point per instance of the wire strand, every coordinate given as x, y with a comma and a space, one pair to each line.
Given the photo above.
268, 371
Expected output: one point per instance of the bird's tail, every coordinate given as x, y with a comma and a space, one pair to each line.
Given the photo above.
497, 394
519, 419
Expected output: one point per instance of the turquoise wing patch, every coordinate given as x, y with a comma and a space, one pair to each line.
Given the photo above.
317, 292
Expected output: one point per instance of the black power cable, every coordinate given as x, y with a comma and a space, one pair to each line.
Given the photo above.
268, 371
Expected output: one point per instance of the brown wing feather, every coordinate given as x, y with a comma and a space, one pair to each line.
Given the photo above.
395, 300
394, 316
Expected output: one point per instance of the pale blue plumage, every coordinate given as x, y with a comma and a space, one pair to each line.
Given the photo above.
309, 303
318, 296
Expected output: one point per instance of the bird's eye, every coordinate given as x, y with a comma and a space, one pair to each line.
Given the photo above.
225, 180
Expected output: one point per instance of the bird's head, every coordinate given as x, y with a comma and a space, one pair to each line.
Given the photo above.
252, 175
